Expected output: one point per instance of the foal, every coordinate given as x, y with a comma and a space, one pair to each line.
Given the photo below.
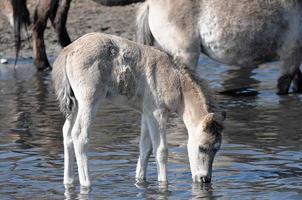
99, 66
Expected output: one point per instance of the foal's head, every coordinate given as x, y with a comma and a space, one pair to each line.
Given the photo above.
203, 125
203, 144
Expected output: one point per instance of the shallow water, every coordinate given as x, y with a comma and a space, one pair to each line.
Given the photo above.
260, 157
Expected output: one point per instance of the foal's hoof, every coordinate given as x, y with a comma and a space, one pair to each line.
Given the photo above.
85, 189
68, 183
69, 186
139, 183
140, 179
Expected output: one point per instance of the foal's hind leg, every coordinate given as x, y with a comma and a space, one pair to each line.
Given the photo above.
145, 150
41, 15
157, 129
290, 62
80, 137
58, 21
69, 156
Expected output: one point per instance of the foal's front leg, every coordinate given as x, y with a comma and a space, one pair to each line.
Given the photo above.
145, 150
157, 129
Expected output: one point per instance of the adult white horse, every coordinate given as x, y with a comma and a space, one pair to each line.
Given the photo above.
235, 32
99, 66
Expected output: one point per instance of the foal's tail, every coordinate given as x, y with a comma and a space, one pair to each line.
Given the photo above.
144, 34
21, 20
63, 90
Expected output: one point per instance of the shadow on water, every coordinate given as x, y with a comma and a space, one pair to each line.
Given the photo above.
260, 156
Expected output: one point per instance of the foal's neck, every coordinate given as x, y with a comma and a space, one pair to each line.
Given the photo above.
196, 103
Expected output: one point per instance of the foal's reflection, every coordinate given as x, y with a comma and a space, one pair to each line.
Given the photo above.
71, 193
149, 191
202, 191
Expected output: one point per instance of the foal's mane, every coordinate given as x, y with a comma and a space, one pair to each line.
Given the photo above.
199, 84
212, 124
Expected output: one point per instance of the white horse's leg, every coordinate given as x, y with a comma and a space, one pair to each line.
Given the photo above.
68, 149
290, 55
157, 129
80, 137
290, 62
145, 150
297, 82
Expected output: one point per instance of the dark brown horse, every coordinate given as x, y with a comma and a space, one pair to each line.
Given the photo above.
57, 12
10, 8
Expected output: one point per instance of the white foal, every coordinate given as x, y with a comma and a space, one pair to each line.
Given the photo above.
99, 66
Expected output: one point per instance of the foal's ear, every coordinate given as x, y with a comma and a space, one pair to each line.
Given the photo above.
212, 123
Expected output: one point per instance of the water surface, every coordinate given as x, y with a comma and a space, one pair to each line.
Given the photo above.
260, 157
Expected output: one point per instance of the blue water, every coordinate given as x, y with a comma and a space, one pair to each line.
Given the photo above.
260, 157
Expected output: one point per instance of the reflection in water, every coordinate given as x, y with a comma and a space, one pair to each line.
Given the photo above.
149, 191
239, 77
204, 191
71, 193
260, 156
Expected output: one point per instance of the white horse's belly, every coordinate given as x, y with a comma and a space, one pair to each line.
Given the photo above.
246, 33
238, 47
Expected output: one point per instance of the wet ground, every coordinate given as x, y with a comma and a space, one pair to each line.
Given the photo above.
260, 158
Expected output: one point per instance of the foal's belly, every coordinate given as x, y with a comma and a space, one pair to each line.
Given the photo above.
242, 32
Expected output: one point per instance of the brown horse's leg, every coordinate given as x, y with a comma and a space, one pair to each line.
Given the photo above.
284, 82
41, 15
58, 20
297, 82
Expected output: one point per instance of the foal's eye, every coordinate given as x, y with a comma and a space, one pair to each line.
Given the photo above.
202, 149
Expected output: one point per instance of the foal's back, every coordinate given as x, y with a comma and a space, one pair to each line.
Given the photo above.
111, 50
109, 66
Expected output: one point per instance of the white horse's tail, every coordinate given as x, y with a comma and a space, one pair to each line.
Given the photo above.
144, 34
62, 87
